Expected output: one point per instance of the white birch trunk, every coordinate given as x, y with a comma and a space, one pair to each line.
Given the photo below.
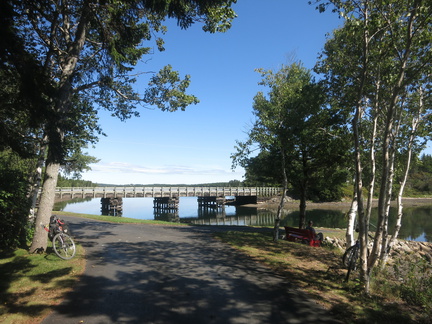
388, 245
351, 222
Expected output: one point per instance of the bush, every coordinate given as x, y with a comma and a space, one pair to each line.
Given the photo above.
14, 205
415, 275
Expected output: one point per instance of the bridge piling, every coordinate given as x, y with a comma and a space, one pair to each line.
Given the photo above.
211, 202
165, 203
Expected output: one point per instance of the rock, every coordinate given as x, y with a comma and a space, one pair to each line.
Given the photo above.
399, 250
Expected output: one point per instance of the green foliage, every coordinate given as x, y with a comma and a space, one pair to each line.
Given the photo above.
408, 278
77, 163
263, 170
14, 205
415, 276
167, 91
298, 135
66, 182
420, 179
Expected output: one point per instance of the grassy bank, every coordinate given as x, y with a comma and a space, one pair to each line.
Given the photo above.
318, 271
32, 284
114, 219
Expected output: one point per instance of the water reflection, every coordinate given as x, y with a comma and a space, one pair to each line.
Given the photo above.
416, 220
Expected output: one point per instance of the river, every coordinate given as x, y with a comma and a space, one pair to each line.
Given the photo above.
416, 222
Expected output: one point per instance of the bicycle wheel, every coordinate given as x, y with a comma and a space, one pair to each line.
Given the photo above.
350, 254
64, 246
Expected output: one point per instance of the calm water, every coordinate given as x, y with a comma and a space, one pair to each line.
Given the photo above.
416, 223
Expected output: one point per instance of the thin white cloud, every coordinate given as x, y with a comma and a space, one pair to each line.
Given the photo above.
122, 167
121, 173
143, 144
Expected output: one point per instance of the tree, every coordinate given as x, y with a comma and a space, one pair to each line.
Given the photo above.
83, 52
294, 120
388, 47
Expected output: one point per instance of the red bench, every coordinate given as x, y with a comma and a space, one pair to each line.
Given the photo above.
301, 235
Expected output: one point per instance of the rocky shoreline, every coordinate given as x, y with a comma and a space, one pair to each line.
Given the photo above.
401, 250
272, 203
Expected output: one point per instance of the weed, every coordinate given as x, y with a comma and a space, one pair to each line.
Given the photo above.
415, 276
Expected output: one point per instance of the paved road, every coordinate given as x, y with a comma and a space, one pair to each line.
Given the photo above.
161, 274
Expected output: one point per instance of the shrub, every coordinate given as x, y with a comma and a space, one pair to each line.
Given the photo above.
415, 276
14, 205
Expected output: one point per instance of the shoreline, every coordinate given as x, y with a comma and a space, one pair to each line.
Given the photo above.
273, 203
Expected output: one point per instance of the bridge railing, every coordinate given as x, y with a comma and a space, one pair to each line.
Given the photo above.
83, 192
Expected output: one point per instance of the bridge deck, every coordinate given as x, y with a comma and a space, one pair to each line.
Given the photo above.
99, 192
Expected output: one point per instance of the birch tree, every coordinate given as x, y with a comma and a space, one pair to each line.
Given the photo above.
388, 44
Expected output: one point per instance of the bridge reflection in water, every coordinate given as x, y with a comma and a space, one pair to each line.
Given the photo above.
217, 216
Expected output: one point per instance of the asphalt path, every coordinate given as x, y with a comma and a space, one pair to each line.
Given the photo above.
139, 273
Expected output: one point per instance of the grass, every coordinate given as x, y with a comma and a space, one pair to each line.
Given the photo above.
32, 284
318, 271
114, 219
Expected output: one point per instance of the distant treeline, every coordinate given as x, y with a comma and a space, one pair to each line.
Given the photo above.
419, 181
65, 182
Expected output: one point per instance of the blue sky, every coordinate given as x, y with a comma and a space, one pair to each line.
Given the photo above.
194, 146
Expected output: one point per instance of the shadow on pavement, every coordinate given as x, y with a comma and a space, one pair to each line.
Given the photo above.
156, 274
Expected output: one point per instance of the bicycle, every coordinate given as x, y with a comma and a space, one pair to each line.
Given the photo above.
350, 257
63, 244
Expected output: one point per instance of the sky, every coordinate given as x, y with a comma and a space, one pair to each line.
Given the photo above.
194, 146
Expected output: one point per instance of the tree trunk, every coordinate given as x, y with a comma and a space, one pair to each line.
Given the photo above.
278, 217
282, 201
362, 218
372, 154
385, 234
303, 192
46, 204
351, 221
36, 183
302, 207
388, 244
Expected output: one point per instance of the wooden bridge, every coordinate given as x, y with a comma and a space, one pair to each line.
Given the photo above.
105, 192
